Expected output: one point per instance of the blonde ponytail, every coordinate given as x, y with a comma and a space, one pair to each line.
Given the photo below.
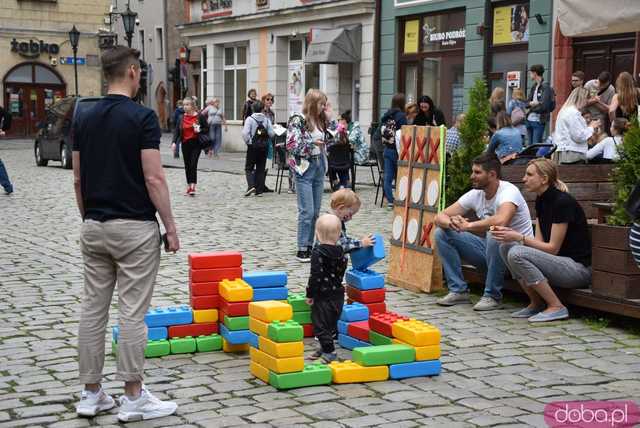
547, 168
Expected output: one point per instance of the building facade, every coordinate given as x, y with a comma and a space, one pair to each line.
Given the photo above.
284, 47
36, 67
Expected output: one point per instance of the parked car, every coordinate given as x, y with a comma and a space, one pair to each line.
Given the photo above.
53, 140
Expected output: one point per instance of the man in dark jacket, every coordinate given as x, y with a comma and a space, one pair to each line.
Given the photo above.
5, 123
390, 122
247, 109
540, 104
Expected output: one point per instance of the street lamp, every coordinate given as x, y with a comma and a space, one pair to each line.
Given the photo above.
129, 21
74, 38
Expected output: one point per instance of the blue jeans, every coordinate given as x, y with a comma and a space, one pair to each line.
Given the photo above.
4, 179
390, 170
309, 188
483, 253
215, 133
535, 131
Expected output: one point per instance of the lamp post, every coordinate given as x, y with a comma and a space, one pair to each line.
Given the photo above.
74, 38
129, 22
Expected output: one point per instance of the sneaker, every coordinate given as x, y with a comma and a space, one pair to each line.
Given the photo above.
93, 403
560, 314
316, 354
267, 190
487, 304
291, 191
250, 191
145, 407
390, 205
526, 312
329, 357
188, 191
454, 299
259, 195
303, 256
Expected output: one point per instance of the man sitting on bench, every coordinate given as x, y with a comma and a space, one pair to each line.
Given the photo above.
495, 203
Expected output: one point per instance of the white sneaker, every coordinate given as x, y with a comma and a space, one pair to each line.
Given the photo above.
92, 403
145, 407
487, 304
454, 299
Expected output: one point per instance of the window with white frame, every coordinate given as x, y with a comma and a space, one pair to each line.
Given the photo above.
159, 48
235, 81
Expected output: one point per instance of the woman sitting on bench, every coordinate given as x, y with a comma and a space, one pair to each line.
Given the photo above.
560, 253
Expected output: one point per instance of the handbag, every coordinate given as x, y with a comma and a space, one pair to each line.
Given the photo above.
633, 203
517, 116
204, 141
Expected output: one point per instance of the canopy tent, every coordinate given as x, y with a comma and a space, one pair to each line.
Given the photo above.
335, 45
580, 18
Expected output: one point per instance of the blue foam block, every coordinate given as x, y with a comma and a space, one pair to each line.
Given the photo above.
416, 369
153, 333
172, 315
349, 342
278, 293
236, 337
364, 257
342, 327
253, 340
364, 279
265, 279
354, 312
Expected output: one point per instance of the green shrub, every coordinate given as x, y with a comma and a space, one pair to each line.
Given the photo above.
626, 174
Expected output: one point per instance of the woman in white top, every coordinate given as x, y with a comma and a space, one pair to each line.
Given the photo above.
606, 151
572, 131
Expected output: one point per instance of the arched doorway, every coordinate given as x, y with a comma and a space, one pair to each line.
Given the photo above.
29, 88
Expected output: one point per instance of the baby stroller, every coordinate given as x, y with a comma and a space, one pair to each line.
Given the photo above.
340, 161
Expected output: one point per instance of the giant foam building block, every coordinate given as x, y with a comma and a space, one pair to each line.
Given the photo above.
359, 330
278, 365
298, 302
153, 333
205, 302
276, 293
260, 328
416, 333
374, 308
364, 279
308, 330
228, 347
348, 342
350, 372
354, 312
343, 327
205, 315
302, 317
415, 369
172, 315
212, 342
253, 339
382, 322
265, 279
364, 257
157, 348
270, 311
384, 355
204, 289
214, 275
281, 350
215, 260
235, 290
377, 339
237, 337
430, 352
259, 371
285, 331
234, 309
183, 345
194, 330
236, 323
313, 374
366, 296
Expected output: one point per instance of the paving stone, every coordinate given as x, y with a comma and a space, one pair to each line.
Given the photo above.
34, 411
363, 421
271, 415
330, 411
489, 420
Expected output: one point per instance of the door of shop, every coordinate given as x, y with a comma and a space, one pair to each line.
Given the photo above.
614, 54
28, 89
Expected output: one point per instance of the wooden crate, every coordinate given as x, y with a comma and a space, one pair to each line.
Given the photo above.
615, 272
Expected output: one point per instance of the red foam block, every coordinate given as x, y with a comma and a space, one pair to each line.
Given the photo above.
205, 302
308, 330
214, 275
203, 289
359, 330
382, 322
374, 308
215, 260
366, 296
234, 309
194, 330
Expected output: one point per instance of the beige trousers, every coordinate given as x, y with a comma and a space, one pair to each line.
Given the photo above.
126, 252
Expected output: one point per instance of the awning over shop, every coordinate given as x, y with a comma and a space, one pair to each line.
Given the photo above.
335, 45
579, 18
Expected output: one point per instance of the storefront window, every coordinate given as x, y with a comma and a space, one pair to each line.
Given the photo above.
235, 81
411, 83
443, 32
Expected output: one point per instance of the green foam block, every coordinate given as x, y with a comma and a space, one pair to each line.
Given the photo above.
383, 355
209, 343
236, 323
298, 302
378, 339
302, 317
313, 374
157, 348
287, 331
183, 345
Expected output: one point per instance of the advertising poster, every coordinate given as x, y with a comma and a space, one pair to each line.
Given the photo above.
295, 87
411, 30
511, 24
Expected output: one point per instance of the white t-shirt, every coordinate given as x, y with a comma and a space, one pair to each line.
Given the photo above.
475, 200
608, 148
534, 117
317, 135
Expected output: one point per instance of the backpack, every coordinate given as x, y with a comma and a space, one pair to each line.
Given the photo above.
517, 116
260, 138
388, 132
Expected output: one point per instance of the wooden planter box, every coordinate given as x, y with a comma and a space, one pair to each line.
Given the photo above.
615, 272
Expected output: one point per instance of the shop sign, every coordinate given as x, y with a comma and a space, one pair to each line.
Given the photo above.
443, 32
295, 84
513, 79
68, 60
511, 24
33, 49
411, 31
445, 38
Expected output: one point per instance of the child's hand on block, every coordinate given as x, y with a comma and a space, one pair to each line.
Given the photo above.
368, 241
309, 301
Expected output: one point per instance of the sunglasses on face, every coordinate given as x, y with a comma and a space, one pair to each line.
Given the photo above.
268, 99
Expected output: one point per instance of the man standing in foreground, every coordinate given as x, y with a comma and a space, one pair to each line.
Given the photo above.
119, 185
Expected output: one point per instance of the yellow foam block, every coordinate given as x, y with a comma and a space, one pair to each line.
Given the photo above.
416, 333
270, 310
431, 352
259, 371
350, 372
205, 315
235, 290
278, 365
281, 350
228, 347
260, 328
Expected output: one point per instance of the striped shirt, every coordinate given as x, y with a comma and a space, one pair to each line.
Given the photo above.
634, 242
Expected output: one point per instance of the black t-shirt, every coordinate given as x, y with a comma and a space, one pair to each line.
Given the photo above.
110, 137
554, 206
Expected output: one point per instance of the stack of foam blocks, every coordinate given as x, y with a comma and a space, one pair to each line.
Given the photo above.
235, 296
301, 312
364, 285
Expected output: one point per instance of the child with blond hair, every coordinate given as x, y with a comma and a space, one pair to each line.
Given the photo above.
345, 203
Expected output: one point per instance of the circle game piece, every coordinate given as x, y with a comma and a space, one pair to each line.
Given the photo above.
402, 188
432, 193
416, 190
397, 227
412, 230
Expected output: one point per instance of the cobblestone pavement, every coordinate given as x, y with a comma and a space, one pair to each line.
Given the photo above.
496, 371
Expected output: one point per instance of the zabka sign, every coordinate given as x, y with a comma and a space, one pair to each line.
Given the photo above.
33, 49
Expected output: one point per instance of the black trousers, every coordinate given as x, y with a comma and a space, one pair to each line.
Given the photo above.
325, 313
191, 155
256, 158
